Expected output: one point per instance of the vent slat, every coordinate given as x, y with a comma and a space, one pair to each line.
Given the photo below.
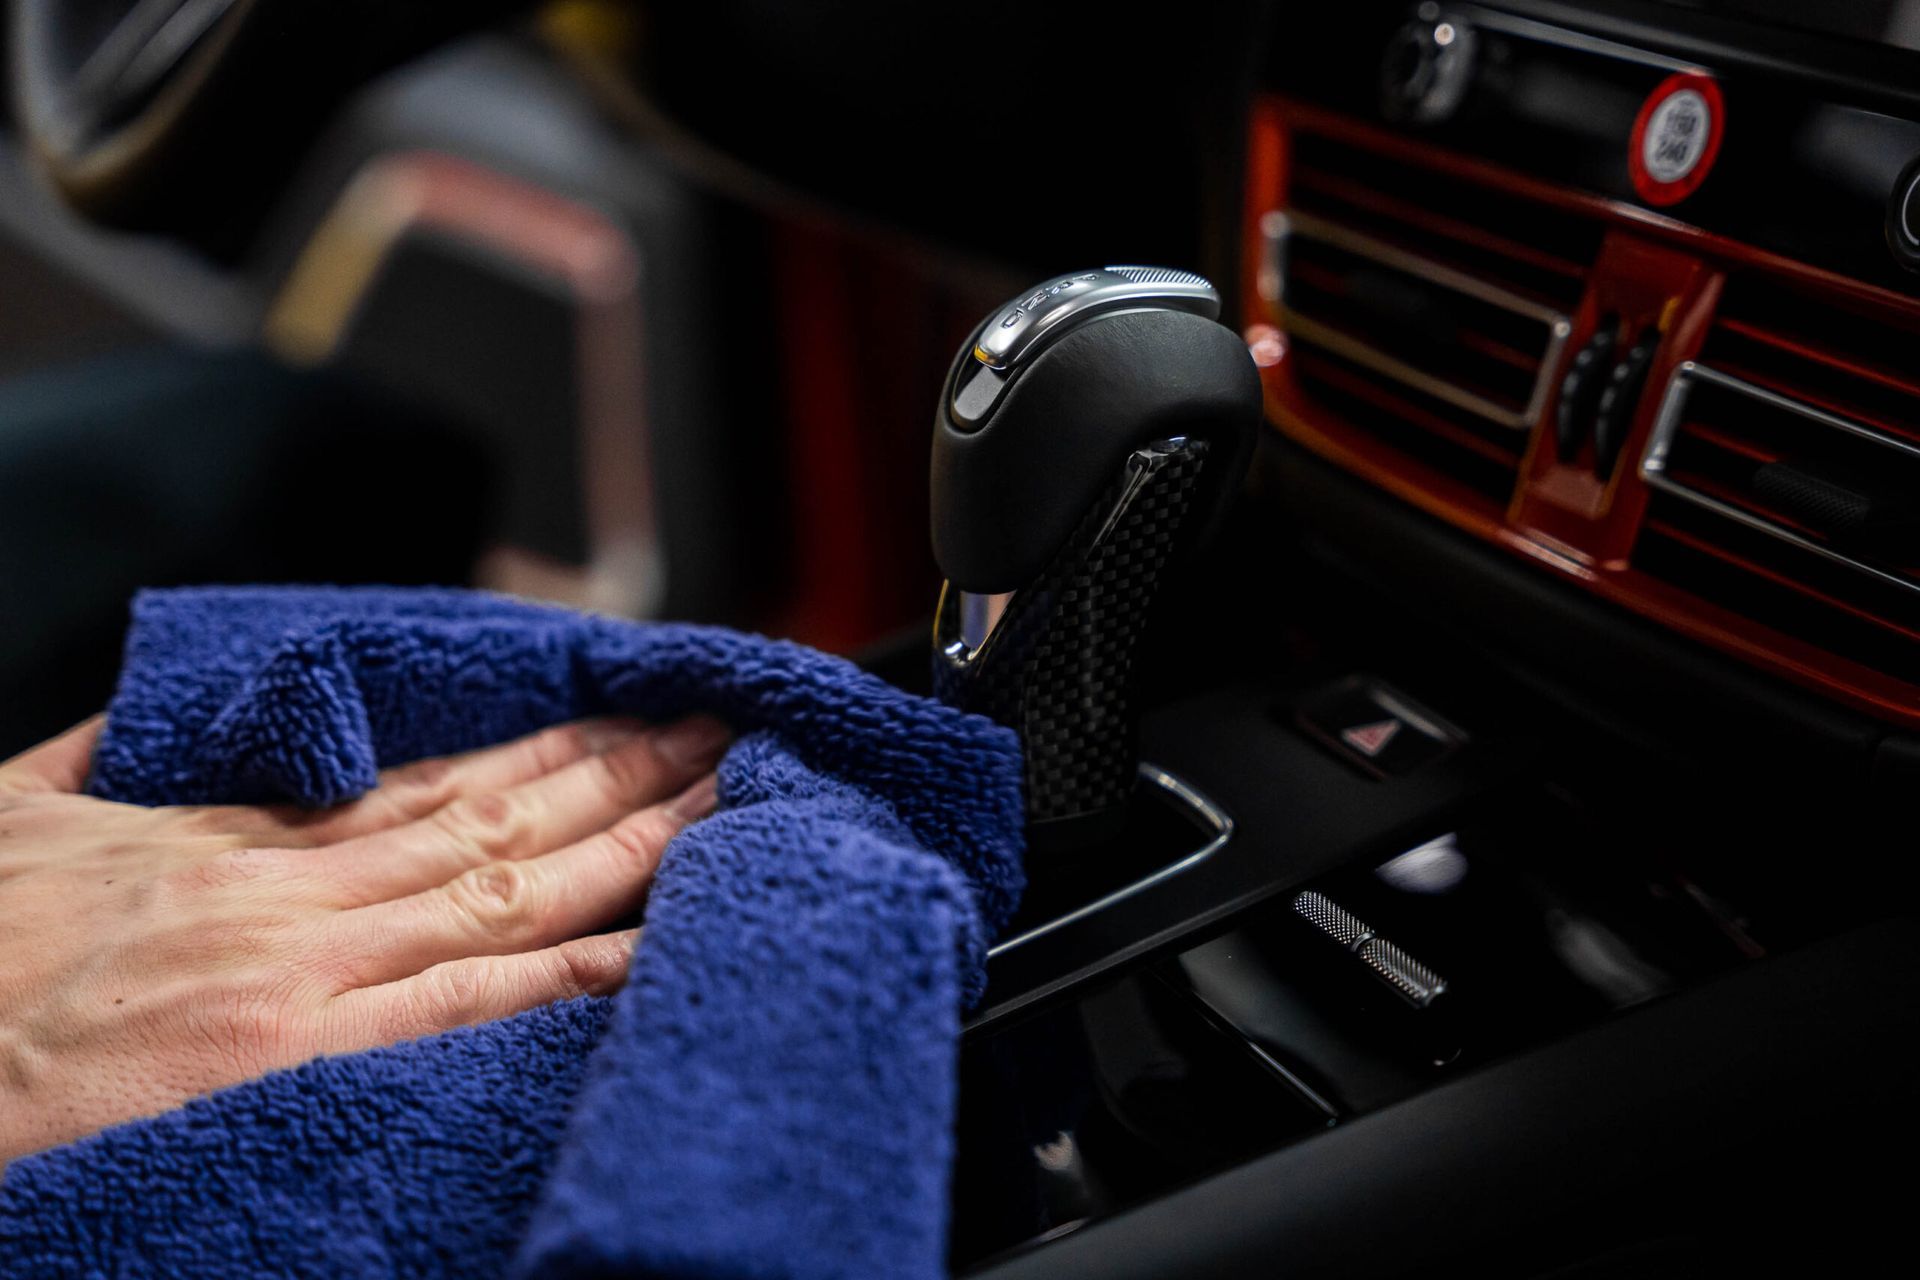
1760, 376
1428, 201
1739, 496
1818, 351
1844, 333
1710, 547
1788, 488
1500, 352
1413, 219
1781, 587
1324, 369
1424, 310
1727, 442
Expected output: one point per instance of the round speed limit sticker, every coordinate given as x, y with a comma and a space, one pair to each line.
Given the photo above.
1676, 137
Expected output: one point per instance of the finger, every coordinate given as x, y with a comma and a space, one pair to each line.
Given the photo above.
479, 989
504, 908
521, 822
59, 764
410, 792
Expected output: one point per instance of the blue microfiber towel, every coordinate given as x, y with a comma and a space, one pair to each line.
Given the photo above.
772, 1093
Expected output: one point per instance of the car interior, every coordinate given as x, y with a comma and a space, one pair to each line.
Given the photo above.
1456, 580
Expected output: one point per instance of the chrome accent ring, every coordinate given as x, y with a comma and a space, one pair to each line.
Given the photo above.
1211, 816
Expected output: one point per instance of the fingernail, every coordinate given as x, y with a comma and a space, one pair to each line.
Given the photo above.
697, 801
603, 736
693, 742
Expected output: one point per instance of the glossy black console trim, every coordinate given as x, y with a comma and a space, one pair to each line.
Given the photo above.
1847, 70
1609, 668
1816, 131
1750, 1115
1298, 812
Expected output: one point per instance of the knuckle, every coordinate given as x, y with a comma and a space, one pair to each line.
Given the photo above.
204, 820
641, 837
430, 776
613, 773
589, 966
252, 1025
315, 955
480, 823
414, 789
559, 745
498, 899
220, 870
630, 771
455, 994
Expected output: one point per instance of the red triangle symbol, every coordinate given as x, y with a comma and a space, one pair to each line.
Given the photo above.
1370, 739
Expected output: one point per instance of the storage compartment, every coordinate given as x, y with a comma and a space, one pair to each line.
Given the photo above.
1105, 1102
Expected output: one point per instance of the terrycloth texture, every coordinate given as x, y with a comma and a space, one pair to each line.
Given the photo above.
770, 1096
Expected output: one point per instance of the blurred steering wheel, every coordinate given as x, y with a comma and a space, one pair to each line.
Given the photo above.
184, 115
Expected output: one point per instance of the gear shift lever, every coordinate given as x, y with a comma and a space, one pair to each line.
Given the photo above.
1090, 431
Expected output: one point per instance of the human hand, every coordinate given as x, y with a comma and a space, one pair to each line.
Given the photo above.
151, 955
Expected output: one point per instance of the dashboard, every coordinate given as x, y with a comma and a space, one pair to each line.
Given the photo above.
1635, 301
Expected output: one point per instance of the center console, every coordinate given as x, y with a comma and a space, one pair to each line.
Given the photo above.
1517, 878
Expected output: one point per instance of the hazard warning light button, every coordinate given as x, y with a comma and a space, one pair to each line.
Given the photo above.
1375, 727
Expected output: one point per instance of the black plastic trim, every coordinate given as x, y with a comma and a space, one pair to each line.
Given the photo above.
1739, 1122
1611, 667
1847, 70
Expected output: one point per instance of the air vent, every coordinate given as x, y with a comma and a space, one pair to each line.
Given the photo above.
1423, 308
1785, 465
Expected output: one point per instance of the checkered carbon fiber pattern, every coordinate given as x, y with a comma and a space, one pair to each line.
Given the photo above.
1059, 666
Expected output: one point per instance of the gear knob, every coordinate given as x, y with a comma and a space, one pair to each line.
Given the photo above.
1090, 433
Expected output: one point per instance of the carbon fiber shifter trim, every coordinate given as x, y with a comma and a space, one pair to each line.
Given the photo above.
1058, 667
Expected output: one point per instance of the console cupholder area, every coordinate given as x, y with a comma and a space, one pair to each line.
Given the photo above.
1109, 1100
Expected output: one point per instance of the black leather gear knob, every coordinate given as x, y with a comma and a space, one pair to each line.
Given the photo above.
1084, 444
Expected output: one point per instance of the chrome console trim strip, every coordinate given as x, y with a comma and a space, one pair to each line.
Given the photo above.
1215, 824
